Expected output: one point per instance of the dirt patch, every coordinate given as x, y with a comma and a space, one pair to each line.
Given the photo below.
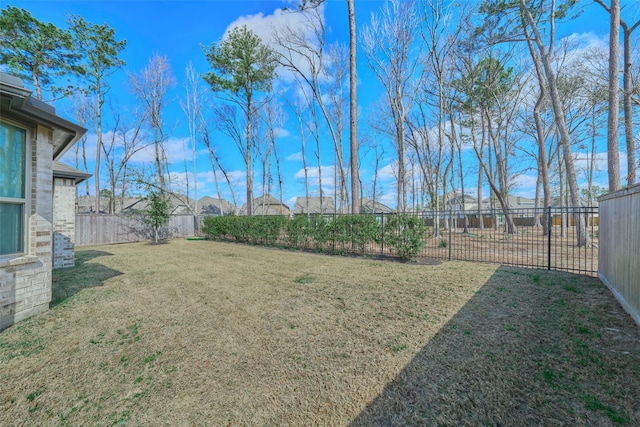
205, 333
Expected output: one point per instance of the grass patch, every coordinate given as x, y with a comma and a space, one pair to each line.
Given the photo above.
305, 279
87, 273
25, 343
223, 334
32, 396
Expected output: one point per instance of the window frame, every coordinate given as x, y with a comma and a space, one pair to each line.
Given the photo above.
24, 201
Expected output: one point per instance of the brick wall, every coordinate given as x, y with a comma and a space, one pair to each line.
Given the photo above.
25, 281
64, 222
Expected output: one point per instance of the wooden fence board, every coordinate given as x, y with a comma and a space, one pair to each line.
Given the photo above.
109, 229
619, 255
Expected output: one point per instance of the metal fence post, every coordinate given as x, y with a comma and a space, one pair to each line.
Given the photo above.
549, 223
450, 227
382, 235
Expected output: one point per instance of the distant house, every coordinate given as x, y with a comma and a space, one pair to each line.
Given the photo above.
557, 202
32, 137
211, 206
312, 205
369, 206
86, 205
266, 205
459, 202
177, 205
515, 202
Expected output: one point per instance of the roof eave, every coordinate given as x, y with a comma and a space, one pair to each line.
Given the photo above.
22, 106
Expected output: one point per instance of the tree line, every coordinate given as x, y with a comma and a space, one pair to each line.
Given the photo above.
471, 92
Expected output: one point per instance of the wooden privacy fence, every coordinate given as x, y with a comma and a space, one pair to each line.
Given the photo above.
619, 259
107, 229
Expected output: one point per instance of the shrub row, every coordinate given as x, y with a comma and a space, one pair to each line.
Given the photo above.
403, 234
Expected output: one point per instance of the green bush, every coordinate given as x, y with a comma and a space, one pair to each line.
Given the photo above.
269, 228
405, 234
297, 230
319, 229
256, 229
356, 230
212, 228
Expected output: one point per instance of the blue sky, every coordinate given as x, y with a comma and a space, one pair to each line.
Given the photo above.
177, 29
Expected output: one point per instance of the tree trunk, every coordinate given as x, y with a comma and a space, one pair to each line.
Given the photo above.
247, 161
613, 156
628, 113
561, 125
353, 110
96, 171
543, 169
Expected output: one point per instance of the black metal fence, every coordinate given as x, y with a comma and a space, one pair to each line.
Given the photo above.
530, 244
466, 236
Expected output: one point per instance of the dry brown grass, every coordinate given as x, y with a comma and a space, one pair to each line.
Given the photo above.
204, 333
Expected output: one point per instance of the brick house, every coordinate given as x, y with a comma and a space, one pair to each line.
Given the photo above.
32, 137
65, 180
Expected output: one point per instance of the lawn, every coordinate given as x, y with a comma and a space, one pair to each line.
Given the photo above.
205, 333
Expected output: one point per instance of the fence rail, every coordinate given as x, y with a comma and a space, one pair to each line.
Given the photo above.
109, 229
528, 246
466, 236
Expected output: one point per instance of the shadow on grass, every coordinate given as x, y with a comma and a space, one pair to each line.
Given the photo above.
69, 281
530, 348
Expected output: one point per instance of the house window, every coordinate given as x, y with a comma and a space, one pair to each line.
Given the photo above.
13, 142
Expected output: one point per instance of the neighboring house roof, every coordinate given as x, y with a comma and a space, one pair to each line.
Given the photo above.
455, 198
212, 205
556, 202
311, 205
85, 204
515, 202
177, 206
369, 206
16, 102
60, 170
266, 205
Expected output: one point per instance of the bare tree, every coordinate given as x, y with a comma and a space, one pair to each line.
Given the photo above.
335, 74
84, 112
150, 88
303, 51
126, 140
540, 136
613, 156
627, 83
276, 117
353, 109
271, 121
299, 105
307, 5
216, 164
192, 108
545, 53
390, 48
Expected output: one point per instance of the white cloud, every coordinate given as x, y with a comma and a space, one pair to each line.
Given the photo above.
281, 132
266, 26
90, 148
389, 199
328, 181
524, 182
295, 156
388, 172
176, 150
